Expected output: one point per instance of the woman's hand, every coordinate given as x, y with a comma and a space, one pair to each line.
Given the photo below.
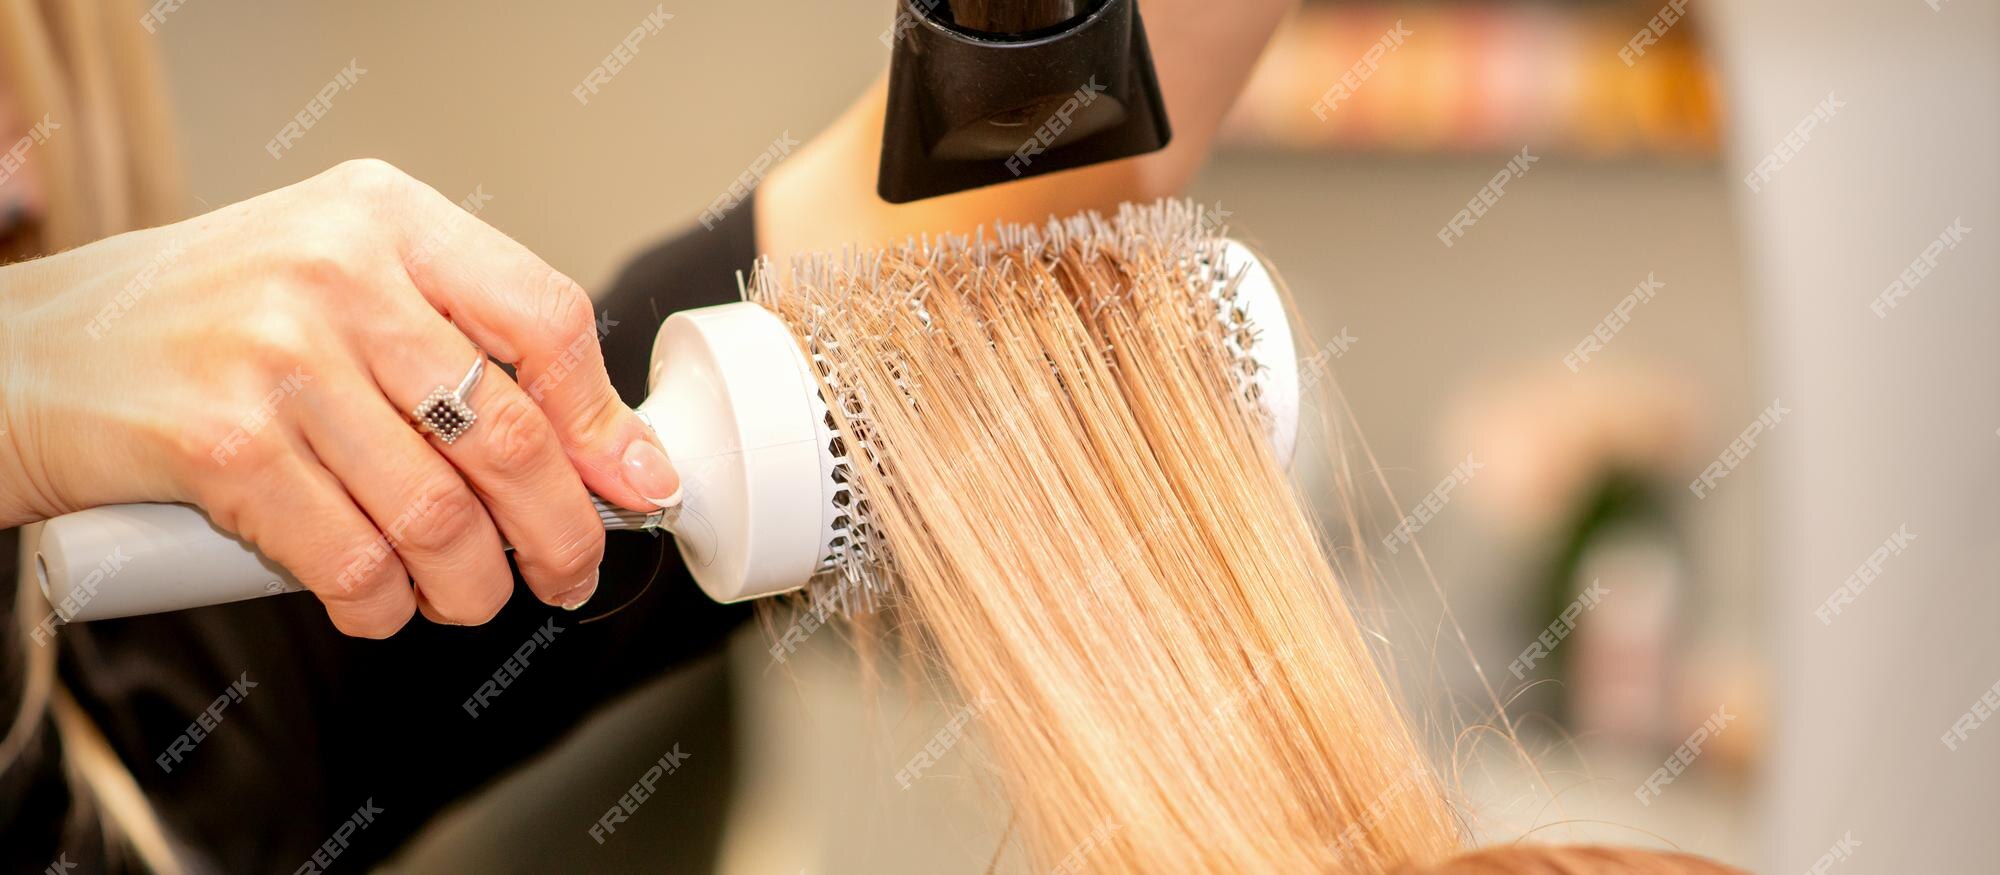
261, 361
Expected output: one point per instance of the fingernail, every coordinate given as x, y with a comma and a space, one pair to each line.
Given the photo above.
575, 596
649, 473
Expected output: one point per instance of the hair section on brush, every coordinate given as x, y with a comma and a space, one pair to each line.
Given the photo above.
1076, 508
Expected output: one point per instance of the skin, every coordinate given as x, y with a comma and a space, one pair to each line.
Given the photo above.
264, 369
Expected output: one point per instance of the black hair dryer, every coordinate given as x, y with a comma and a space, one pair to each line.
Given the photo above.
990, 91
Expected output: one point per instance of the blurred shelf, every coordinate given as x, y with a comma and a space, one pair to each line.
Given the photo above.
1419, 77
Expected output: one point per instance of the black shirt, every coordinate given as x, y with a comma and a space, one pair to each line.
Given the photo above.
336, 726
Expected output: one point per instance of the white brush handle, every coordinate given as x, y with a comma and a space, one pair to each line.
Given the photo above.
731, 399
129, 559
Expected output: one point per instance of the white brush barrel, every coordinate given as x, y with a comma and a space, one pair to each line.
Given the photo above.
732, 398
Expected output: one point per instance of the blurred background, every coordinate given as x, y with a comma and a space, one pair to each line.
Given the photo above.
1561, 469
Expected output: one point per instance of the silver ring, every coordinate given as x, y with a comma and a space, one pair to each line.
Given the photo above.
445, 412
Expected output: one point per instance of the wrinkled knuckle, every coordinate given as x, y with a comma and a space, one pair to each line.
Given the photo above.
447, 515
277, 341
574, 555
564, 309
249, 452
191, 446
366, 574
227, 504
518, 438
362, 588
355, 168
324, 262
370, 177
596, 421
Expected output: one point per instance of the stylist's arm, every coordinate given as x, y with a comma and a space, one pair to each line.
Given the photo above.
262, 361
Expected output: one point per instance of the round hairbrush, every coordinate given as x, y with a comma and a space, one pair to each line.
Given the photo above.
740, 412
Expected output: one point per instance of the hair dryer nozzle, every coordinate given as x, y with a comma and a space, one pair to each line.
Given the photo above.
971, 108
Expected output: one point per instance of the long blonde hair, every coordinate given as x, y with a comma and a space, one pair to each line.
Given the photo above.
109, 165
1072, 501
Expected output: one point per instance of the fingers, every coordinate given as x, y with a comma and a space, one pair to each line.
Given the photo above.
303, 519
511, 457
525, 313
424, 509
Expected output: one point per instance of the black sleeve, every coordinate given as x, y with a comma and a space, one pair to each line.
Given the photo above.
312, 729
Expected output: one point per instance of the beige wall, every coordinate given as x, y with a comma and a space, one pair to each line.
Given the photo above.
468, 94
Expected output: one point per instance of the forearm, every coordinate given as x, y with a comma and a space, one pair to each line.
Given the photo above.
64, 353
824, 196
26, 290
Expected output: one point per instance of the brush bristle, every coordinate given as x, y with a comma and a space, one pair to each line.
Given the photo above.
866, 308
